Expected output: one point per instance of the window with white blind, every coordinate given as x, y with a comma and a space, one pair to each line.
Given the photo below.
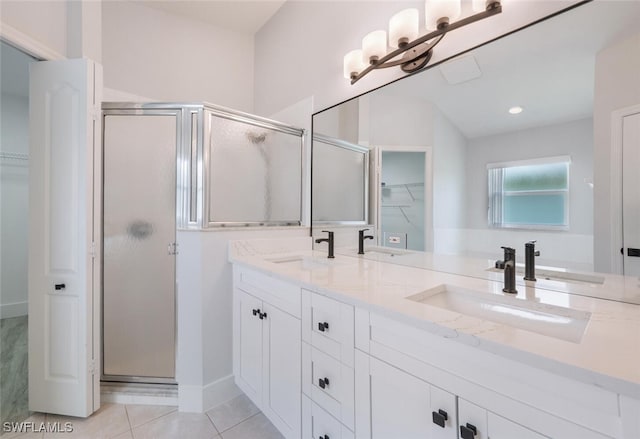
529, 193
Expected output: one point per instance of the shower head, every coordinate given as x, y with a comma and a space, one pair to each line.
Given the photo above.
256, 138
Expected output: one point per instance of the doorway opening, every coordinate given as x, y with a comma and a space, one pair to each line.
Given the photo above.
404, 198
14, 203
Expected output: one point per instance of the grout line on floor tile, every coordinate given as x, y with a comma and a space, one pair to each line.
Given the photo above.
154, 419
128, 419
235, 425
218, 432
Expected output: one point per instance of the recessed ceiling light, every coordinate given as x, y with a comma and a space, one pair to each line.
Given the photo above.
515, 110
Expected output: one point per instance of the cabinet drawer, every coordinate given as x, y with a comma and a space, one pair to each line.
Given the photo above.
328, 326
318, 424
328, 383
278, 293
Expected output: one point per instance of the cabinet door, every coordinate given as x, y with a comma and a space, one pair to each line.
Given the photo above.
444, 414
501, 428
400, 403
473, 419
248, 344
281, 400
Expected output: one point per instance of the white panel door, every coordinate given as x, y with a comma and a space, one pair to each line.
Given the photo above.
631, 194
400, 403
248, 336
283, 370
63, 273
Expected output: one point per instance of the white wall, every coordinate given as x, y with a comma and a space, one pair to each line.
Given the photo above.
299, 51
449, 178
617, 86
152, 53
205, 286
574, 139
14, 201
43, 21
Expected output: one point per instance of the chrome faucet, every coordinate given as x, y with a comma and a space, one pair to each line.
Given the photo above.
361, 238
530, 254
509, 266
328, 240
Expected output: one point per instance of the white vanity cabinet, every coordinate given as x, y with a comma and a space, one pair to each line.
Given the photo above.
478, 423
267, 347
320, 368
327, 367
409, 375
392, 403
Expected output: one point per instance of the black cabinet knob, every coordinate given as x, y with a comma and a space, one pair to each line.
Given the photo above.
323, 382
326, 436
256, 312
59, 287
468, 432
263, 315
440, 417
323, 326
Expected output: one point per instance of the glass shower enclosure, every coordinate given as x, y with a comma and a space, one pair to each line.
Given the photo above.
179, 166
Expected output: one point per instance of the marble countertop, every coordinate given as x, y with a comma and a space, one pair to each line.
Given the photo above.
606, 355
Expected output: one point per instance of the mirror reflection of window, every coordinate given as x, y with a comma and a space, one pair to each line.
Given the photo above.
529, 194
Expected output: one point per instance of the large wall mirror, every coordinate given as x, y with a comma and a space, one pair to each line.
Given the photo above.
492, 148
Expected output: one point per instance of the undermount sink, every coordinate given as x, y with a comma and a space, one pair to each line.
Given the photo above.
550, 320
559, 275
388, 251
309, 263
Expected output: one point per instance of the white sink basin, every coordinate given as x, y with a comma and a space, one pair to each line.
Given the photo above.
387, 251
310, 263
549, 320
559, 275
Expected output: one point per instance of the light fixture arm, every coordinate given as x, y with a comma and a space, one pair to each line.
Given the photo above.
418, 52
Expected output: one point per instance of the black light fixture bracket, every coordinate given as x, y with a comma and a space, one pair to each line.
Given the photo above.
417, 53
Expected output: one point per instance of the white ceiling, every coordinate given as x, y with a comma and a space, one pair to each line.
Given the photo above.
547, 69
246, 16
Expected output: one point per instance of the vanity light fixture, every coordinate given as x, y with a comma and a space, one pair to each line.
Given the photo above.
410, 51
515, 110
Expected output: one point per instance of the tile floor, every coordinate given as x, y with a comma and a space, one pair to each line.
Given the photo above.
13, 369
238, 418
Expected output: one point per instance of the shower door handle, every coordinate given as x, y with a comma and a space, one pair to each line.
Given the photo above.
172, 248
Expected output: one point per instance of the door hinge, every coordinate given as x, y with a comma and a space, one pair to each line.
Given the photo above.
92, 250
92, 367
94, 113
172, 249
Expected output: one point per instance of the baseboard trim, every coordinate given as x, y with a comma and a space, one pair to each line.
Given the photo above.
17, 309
199, 399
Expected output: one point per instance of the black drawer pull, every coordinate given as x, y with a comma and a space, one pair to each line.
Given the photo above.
634, 252
263, 315
323, 326
256, 312
468, 432
326, 436
440, 417
323, 382
59, 287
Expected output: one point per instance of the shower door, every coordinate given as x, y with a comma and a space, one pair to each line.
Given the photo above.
139, 245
